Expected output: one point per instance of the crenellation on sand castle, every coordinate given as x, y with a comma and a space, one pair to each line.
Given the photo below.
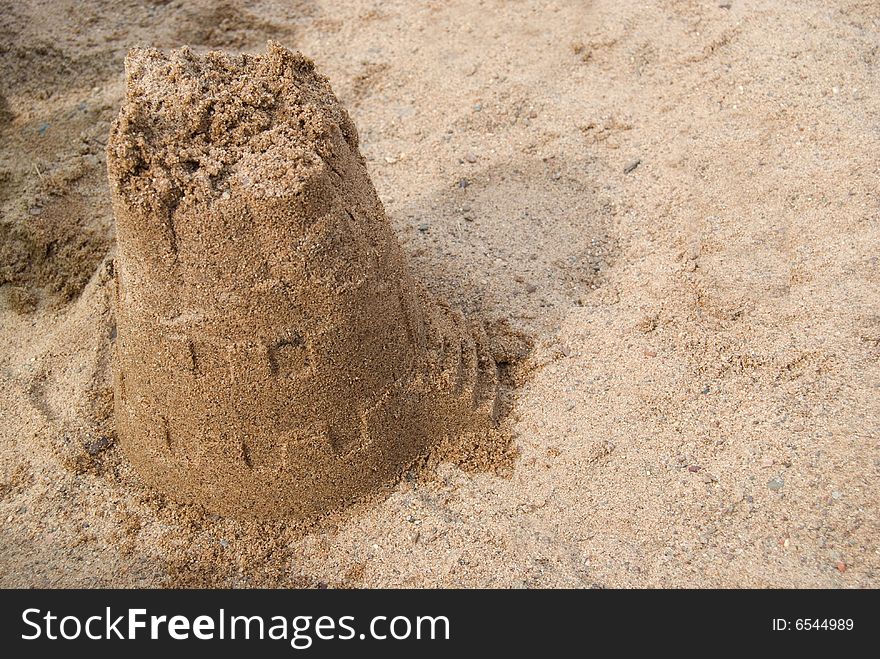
274, 356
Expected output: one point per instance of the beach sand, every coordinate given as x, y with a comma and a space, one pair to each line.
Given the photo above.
676, 202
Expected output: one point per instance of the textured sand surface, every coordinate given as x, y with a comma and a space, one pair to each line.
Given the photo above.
677, 201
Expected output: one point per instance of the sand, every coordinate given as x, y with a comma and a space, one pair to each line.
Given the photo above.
273, 357
677, 202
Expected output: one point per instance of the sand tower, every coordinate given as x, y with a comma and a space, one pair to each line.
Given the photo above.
274, 357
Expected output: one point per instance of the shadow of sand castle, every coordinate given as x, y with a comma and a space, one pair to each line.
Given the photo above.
482, 246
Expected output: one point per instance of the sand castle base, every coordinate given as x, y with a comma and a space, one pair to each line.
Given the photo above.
274, 357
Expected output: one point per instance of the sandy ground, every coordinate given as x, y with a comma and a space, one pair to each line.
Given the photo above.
678, 201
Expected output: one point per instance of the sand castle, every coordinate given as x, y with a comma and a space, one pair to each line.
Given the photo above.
274, 357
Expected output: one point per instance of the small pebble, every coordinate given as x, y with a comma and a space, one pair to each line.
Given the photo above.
471, 157
776, 483
631, 166
767, 463
424, 227
35, 210
836, 494
694, 469
95, 447
531, 288
841, 566
463, 183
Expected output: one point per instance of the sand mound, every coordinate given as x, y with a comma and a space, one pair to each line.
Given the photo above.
274, 356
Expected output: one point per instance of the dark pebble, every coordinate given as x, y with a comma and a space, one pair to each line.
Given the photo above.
95, 447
